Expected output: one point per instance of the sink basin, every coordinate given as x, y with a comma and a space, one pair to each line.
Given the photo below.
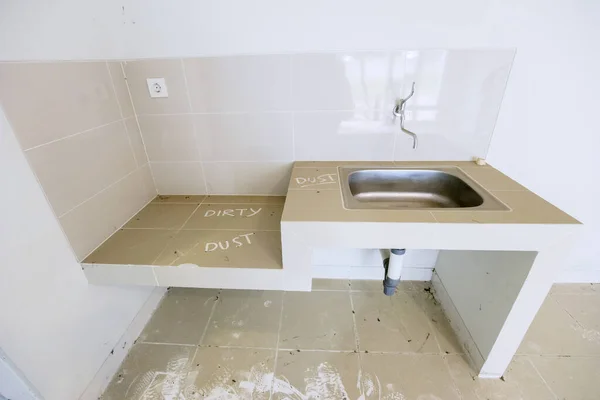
414, 188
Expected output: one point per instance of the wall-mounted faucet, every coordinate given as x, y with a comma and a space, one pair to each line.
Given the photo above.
399, 112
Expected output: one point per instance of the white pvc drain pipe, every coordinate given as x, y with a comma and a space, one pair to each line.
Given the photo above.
393, 271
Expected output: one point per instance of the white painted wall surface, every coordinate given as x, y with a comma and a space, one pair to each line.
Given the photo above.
56, 329
546, 134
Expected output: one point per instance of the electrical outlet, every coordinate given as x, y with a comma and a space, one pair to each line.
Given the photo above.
157, 87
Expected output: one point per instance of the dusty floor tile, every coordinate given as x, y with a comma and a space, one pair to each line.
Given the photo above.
521, 381
219, 373
131, 246
555, 332
585, 309
575, 288
181, 316
179, 199
395, 324
317, 320
213, 199
162, 216
406, 376
239, 249
316, 375
247, 318
151, 372
236, 216
571, 378
330, 284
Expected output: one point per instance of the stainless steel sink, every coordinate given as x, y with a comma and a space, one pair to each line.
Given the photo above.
414, 188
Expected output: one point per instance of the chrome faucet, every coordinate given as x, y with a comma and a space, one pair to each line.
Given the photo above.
399, 112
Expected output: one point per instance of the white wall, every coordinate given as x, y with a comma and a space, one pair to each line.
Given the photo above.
546, 133
56, 329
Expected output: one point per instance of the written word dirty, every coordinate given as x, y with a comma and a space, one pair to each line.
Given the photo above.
321, 382
237, 241
324, 179
232, 212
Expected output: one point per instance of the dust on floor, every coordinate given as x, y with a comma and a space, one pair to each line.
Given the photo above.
345, 340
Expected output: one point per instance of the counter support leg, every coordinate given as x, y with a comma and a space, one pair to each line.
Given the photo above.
491, 298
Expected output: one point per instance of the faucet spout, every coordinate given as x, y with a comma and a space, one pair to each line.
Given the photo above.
399, 111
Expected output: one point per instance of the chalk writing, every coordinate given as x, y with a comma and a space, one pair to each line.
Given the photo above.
231, 212
224, 245
324, 179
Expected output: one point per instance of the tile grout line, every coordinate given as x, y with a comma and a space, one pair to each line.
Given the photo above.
444, 358
137, 121
72, 135
541, 377
121, 227
189, 99
101, 191
176, 233
356, 339
112, 81
277, 346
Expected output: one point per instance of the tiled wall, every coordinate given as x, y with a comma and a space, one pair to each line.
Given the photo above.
234, 124
76, 125
101, 147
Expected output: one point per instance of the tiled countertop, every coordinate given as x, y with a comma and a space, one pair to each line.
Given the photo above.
215, 231
314, 195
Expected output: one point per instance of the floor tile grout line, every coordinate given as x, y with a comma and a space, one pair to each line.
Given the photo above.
277, 345
356, 339
167, 344
444, 358
541, 377
210, 317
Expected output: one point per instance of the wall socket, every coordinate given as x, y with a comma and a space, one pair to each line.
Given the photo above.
157, 87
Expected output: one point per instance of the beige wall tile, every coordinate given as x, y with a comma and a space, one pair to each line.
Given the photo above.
248, 318
267, 178
162, 216
344, 81
29, 96
238, 216
178, 178
120, 85
240, 83
149, 188
95, 220
233, 248
343, 135
181, 316
169, 137
307, 324
245, 137
135, 138
138, 373
131, 246
74, 169
138, 71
